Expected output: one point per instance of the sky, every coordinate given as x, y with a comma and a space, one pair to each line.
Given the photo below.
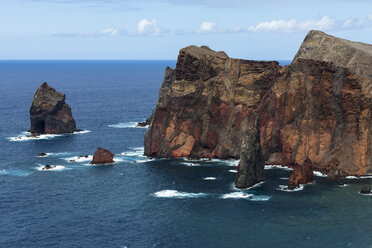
158, 29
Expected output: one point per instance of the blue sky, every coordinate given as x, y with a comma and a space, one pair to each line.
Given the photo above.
157, 29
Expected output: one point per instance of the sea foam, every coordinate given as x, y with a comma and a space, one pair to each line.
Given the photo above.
285, 188
131, 124
27, 136
209, 178
177, 194
55, 168
270, 167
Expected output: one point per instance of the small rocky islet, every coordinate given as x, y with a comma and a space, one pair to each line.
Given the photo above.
314, 114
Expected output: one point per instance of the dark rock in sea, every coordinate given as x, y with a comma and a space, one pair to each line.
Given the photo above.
366, 189
252, 163
43, 154
301, 174
318, 108
144, 123
49, 114
102, 156
48, 167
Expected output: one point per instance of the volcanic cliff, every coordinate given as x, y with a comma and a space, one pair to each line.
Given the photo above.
314, 114
49, 114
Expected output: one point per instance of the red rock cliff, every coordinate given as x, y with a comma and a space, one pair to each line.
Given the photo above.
204, 104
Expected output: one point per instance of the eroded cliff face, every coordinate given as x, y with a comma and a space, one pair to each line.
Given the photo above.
204, 104
49, 113
314, 114
321, 112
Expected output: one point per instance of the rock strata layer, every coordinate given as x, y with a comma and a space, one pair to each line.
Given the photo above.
49, 114
314, 114
102, 156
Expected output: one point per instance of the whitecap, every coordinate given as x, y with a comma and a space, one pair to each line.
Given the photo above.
131, 124
233, 187
26, 136
285, 188
343, 185
230, 162
18, 173
366, 176
284, 178
177, 194
190, 164
236, 195
209, 178
351, 177
319, 174
233, 171
270, 167
260, 198
79, 159
54, 168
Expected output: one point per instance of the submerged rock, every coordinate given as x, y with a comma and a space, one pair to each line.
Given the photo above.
102, 156
49, 114
43, 154
366, 189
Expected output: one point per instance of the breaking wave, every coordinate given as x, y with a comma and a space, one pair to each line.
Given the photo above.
270, 167
131, 124
319, 174
242, 195
54, 168
209, 178
177, 194
79, 159
285, 188
27, 136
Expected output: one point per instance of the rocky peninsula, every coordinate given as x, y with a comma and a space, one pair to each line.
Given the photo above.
314, 114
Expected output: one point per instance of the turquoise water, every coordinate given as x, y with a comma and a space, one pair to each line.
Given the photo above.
138, 202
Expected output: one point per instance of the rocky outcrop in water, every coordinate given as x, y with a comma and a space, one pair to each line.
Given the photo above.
366, 190
49, 114
102, 156
252, 163
314, 114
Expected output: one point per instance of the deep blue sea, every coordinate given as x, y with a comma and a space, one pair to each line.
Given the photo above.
138, 202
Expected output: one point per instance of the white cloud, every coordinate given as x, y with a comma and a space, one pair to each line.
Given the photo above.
325, 23
107, 32
111, 31
146, 27
370, 18
208, 27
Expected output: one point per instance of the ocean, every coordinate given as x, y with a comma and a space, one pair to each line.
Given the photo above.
139, 202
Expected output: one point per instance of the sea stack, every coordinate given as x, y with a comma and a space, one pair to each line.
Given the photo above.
49, 114
102, 156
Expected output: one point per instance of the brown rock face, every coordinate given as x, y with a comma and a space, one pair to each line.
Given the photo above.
102, 156
315, 114
355, 56
204, 104
49, 114
301, 174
